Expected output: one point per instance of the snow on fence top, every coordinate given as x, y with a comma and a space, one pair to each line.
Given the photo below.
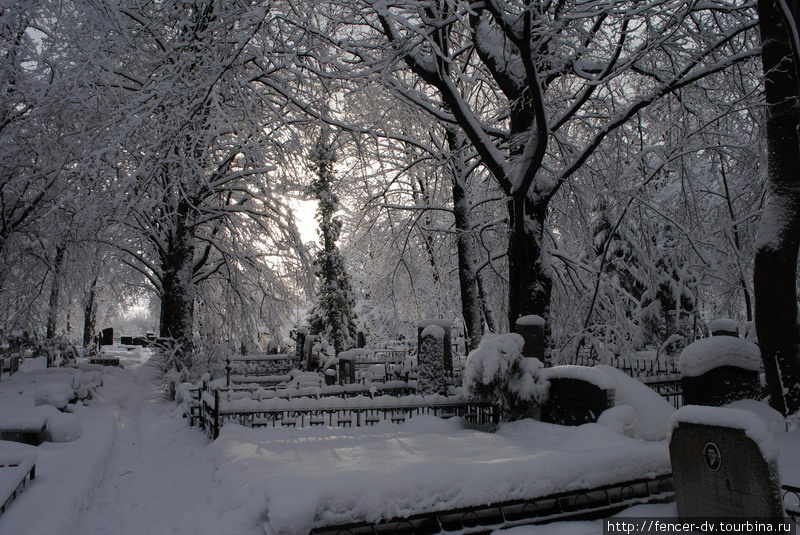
257, 358
749, 422
532, 319
355, 354
704, 355
357, 402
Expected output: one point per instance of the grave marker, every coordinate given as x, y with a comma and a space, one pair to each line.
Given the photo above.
724, 464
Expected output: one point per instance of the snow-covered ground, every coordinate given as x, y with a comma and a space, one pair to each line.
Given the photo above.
138, 468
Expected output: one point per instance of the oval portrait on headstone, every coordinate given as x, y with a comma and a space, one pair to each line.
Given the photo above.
712, 456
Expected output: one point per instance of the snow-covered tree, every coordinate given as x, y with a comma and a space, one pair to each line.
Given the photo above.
333, 314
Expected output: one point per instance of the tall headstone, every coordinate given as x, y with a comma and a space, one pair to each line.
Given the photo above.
719, 370
724, 464
445, 325
575, 402
361, 340
531, 328
107, 337
431, 377
347, 366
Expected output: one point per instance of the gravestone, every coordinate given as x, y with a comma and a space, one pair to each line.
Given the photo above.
573, 401
719, 370
724, 464
446, 325
107, 338
431, 378
361, 340
347, 367
724, 327
531, 328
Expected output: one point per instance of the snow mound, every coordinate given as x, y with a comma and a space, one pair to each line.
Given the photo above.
56, 394
749, 422
530, 320
433, 330
293, 480
704, 355
621, 419
589, 374
64, 427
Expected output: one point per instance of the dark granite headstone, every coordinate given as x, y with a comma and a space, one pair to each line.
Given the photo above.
107, 338
448, 343
362, 340
347, 370
533, 333
721, 386
721, 472
300, 345
126, 340
575, 402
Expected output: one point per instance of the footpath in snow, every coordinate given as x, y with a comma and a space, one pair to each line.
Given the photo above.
135, 467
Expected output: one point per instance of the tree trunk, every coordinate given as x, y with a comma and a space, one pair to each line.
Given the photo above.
90, 315
178, 291
775, 269
467, 255
529, 280
55, 290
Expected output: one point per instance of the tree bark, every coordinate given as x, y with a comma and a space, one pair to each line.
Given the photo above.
89, 314
775, 269
178, 290
55, 290
530, 283
465, 244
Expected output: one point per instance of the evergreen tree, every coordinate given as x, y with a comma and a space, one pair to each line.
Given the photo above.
333, 314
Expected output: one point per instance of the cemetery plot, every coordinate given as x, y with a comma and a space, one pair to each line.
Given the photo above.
314, 479
17, 471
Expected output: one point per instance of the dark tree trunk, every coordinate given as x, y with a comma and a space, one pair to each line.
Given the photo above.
55, 290
530, 284
178, 291
90, 315
775, 269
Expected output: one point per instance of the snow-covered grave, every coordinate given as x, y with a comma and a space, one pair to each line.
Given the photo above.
138, 467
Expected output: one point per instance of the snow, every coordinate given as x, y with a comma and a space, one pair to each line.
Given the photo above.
433, 330
723, 324
424, 323
652, 411
497, 369
293, 479
137, 467
530, 320
704, 355
749, 422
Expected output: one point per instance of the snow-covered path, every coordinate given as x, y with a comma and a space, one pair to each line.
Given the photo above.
156, 464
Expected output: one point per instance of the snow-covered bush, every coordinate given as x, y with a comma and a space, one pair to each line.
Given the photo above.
497, 372
64, 427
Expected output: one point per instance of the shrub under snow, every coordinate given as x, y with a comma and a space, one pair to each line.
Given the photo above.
496, 371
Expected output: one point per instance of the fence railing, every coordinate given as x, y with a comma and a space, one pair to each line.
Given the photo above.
586, 503
211, 410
